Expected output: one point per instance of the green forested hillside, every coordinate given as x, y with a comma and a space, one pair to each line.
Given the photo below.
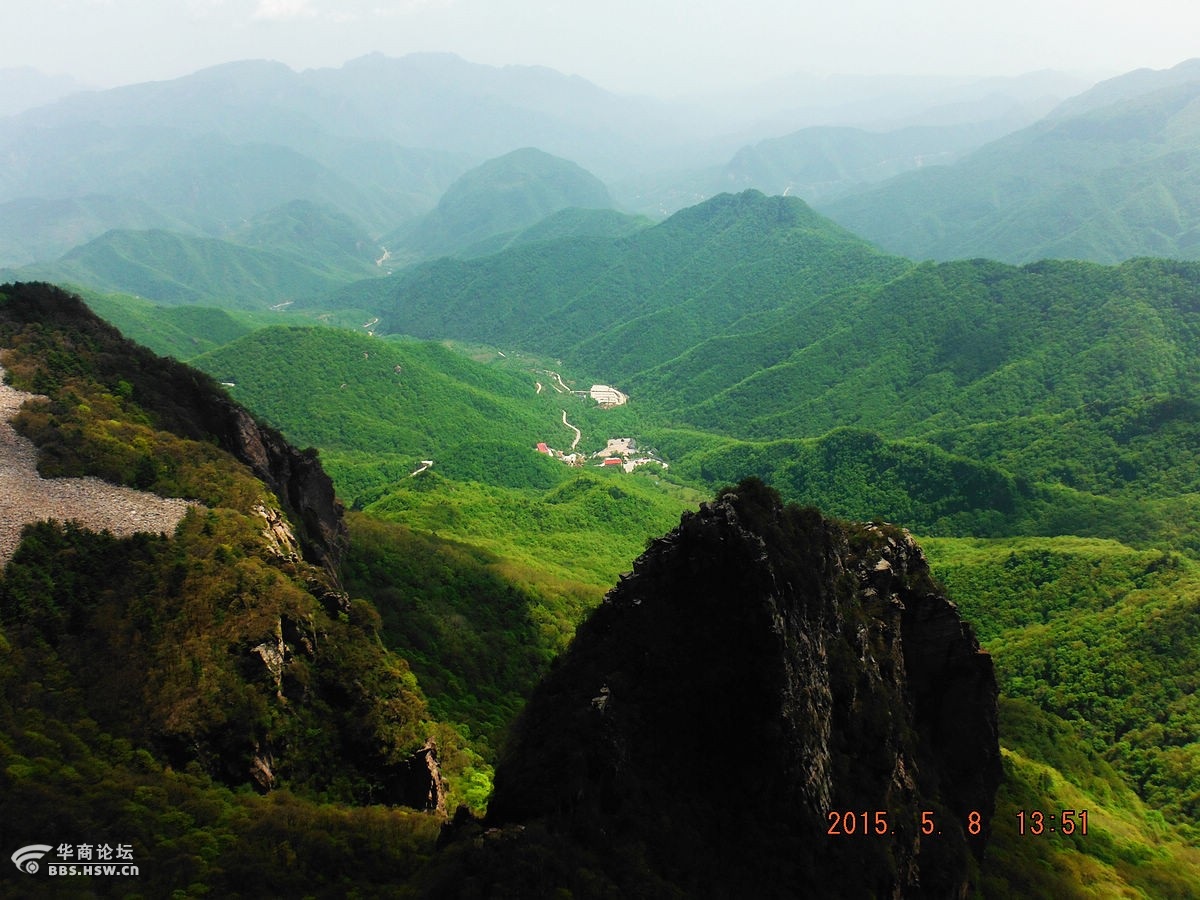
481, 586
580, 222
1036, 426
173, 268
478, 570
177, 331
620, 306
566, 223
951, 345
151, 683
1094, 645
378, 407
499, 198
314, 235
482, 565
1129, 849
1038, 421
1103, 181
982, 399
1065, 389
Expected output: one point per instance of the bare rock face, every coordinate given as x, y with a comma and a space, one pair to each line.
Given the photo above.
771, 704
296, 477
417, 782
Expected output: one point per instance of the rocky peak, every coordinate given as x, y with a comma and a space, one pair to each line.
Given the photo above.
770, 702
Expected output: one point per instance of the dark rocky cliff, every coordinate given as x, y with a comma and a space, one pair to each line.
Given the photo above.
762, 678
190, 404
304, 489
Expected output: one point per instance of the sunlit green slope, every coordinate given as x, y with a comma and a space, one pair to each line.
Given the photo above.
624, 305
1103, 636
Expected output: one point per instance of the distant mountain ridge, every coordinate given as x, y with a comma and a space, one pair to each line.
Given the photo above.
380, 139
1111, 175
1128, 86
177, 269
24, 87
816, 163
300, 249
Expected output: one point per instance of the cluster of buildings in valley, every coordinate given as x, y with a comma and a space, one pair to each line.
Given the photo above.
621, 452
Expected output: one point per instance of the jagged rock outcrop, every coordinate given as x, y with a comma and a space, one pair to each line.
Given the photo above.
770, 704
417, 782
296, 478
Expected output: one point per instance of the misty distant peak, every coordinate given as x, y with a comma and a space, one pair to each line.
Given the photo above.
1129, 85
25, 87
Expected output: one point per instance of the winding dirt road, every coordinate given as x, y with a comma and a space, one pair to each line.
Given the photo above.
578, 433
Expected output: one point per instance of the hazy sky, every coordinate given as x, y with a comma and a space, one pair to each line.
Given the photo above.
649, 46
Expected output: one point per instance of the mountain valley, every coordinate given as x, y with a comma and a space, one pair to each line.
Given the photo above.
925, 547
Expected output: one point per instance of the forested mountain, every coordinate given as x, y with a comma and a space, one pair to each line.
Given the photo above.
299, 249
816, 163
180, 332
622, 306
571, 223
177, 269
1128, 86
208, 151
379, 140
226, 654
383, 401
840, 133
967, 397
210, 182
312, 234
163, 672
254, 701
823, 162
496, 201
1109, 176
948, 346
38, 228
754, 316
481, 617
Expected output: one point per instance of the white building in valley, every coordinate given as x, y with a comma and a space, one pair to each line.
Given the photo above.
607, 396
